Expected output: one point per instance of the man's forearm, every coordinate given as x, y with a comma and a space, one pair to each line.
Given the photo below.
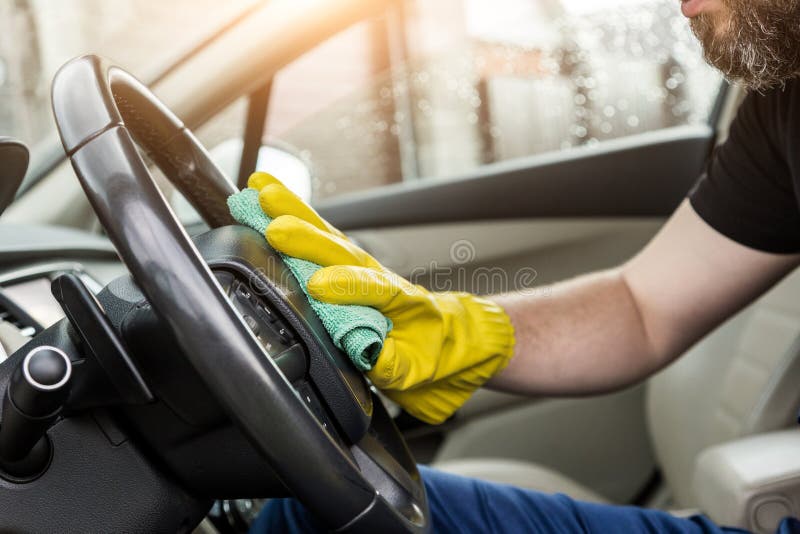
608, 330
585, 336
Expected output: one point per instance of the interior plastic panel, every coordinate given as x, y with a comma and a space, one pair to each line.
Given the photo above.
236, 248
25, 243
75, 492
641, 176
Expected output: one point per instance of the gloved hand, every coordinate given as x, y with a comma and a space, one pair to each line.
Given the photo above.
442, 346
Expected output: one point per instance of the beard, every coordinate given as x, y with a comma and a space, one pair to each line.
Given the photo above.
753, 42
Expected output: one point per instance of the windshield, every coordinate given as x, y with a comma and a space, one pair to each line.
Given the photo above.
38, 36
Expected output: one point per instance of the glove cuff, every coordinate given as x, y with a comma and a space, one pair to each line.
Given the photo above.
491, 327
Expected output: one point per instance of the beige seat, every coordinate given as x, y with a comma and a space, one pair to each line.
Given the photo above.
740, 380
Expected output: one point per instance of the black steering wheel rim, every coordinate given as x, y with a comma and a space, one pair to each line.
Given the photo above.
101, 112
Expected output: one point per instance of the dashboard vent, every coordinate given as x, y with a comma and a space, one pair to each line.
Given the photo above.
12, 313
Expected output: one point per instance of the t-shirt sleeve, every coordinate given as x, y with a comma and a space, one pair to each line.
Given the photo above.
747, 191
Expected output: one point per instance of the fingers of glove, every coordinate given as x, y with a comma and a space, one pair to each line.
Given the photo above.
395, 371
277, 200
260, 180
404, 367
384, 374
365, 286
436, 402
300, 239
474, 376
433, 403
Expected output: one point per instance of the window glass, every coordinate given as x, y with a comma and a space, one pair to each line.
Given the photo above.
439, 89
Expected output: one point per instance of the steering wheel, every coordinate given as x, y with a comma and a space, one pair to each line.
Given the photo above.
352, 477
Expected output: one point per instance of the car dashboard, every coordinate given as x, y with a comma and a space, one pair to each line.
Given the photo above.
30, 258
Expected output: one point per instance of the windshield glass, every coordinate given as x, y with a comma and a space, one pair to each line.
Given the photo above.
38, 36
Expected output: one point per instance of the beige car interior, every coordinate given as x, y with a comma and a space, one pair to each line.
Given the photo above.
717, 424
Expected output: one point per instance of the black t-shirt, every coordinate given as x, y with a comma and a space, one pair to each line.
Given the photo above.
750, 191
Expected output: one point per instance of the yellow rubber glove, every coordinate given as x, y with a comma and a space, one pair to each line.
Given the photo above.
442, 346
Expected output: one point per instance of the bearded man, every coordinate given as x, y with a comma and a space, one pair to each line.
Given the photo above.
734, 237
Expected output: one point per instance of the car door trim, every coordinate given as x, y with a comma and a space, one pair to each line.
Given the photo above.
646, 175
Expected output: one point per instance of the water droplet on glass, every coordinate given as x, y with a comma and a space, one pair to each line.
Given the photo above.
612, 71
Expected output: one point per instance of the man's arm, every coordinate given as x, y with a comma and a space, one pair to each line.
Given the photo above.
608, 330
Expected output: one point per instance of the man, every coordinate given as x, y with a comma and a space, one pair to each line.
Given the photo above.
735, 236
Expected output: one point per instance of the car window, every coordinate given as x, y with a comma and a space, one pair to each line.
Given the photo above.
436, 90
144, 36
439, 89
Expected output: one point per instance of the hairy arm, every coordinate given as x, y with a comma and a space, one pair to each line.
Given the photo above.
608, 330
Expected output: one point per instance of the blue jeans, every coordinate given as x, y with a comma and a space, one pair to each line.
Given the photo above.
459, 504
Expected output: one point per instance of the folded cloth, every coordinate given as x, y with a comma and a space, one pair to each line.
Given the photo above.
359, 331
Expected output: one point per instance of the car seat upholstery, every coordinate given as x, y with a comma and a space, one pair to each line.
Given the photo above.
742, 379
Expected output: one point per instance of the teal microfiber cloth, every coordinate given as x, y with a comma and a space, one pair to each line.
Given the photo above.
357, 330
